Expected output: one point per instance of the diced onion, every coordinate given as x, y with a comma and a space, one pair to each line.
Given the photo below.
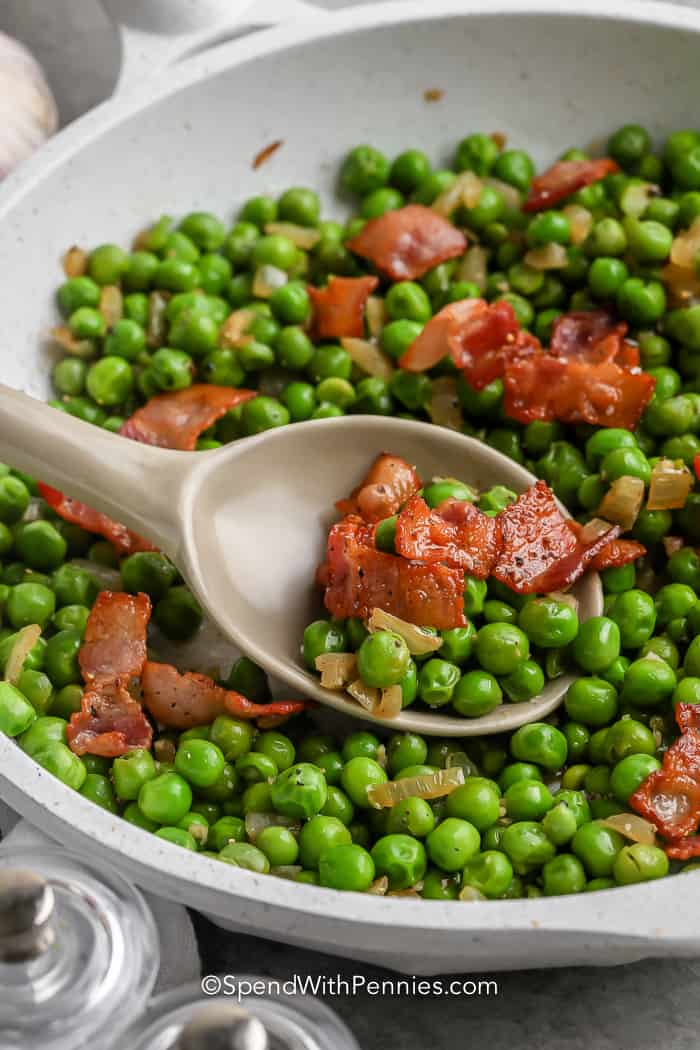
461, 760
75, 262
412, 891
470, 894
379, 887
111, 304
267, 279
366, 695
672, 544
686, 245
682, 286
580, 222
466, 190
84, 348
368, 357
510, 194
430, 785
632, 826
234, 328
337, 669
623, 501
380, 758
443, 407
157, 321
375, 312
474, 267
25, 641
256, 822
286, 871
593, 529
548, 257
669, 486
303, 236
419, 641
390, 702
634, 199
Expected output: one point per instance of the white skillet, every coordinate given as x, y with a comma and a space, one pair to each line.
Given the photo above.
547, 78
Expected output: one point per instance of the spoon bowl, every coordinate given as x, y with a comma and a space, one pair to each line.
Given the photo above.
247, 524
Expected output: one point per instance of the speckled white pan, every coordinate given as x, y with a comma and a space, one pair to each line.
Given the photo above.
547, 79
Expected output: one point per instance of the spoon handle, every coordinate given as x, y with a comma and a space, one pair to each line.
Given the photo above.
135, 484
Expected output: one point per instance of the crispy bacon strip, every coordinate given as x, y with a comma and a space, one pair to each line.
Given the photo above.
670, 796
588, 335
361, 578
113, 652
385, 488
183, 701
339, 308
543, 387
114, 645
110, 723
406, 243
615, 554
457, 534
563, 179
122, 539
683, 849
176, 420
541, 550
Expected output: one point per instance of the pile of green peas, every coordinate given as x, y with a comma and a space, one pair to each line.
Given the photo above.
527, 819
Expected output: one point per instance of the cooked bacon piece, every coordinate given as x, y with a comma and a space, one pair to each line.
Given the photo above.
683, 849
588, 335
457, 534
184, 701
176, 420
617, 553
563, 179
385, 488
406, 243
483, 368
122, 539
541, 551
110, 723
114, 645
468, 330
545, 387
339, 308
670, 796
361, 578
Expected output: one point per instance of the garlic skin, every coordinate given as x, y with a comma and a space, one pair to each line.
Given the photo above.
28, 112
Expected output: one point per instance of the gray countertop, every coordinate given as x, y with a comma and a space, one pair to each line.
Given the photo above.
646, 1006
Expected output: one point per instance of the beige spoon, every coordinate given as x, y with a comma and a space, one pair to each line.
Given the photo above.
246, 524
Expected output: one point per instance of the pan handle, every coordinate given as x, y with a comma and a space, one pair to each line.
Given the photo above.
156, 34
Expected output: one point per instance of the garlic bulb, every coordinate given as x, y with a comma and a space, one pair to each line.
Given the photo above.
28, 113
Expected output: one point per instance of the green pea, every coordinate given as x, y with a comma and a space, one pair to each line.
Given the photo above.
501, 647
591, 701
438, 886
200, 762
549, 623
98, 789
73, 585
649, 682
358, 776
439, 491
149, 572
382, 659
452, 843
560, 824
40, 545
338, 805
539, 743
165, 798
107, 263
250, 680
61, 658
597, 847
629, 773
255, 768
346, 867
413, 816
364, 169
131, 772
635, 615
323, 636
562, 875
178, 615
36, 687
77, 292
528, 800
457, 644
16, 712
639, 862
243, 855
437, 680
299, 791
526, 845
476, 694
405, 749
30, 603
69, 376
279, 845
59, 760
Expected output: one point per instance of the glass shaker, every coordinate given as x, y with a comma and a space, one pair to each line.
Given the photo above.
184, 1019
79, 952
